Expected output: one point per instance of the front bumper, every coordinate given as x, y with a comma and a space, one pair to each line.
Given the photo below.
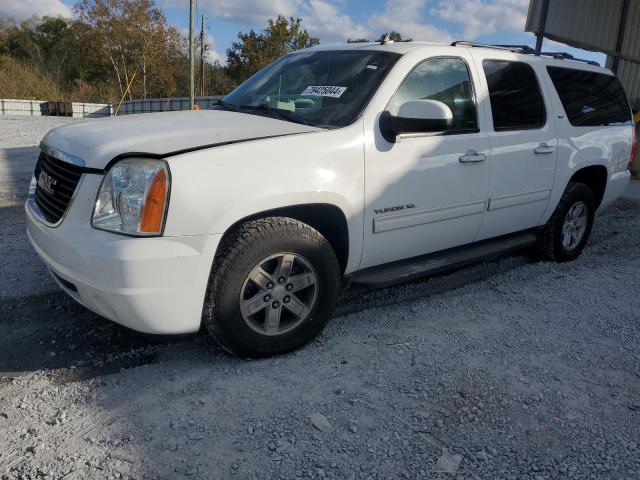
153, 285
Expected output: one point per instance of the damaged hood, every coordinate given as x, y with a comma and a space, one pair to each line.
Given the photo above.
99, 141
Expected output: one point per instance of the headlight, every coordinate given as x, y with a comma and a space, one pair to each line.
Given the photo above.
133, 197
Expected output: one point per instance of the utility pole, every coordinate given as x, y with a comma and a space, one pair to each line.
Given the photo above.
202, 57
191, 55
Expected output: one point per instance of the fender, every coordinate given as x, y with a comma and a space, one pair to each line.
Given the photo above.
212, 189
577, 160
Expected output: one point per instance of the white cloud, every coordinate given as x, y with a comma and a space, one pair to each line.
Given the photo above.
252, 12
324, 19
23, 9
483, 17
212, 54
405, 16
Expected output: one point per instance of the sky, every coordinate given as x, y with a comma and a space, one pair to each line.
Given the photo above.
334, 21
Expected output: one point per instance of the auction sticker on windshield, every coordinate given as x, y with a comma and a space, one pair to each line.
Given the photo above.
324, 91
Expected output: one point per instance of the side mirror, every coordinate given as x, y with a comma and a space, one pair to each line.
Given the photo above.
416, 116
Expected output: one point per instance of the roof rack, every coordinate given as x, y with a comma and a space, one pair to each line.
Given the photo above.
524, 49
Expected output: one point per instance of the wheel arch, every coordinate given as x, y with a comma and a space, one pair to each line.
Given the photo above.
328, 219
595, 177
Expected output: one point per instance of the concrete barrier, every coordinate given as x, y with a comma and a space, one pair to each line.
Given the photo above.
168, 104
10, 106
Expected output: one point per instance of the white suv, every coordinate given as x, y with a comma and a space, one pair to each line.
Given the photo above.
372, 163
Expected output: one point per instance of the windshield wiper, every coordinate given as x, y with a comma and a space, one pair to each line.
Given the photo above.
274, 113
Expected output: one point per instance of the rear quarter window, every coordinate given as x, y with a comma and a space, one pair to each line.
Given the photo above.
591, 99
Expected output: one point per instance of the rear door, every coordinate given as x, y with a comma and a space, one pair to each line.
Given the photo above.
523, 143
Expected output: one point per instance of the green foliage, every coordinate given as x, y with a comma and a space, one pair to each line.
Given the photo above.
394, 36
133, 37
217, 80
111, 43
255, 51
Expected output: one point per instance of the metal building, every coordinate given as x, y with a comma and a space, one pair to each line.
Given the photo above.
608, 26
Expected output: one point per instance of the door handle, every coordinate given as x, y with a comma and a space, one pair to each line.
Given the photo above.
472, 157
543, 148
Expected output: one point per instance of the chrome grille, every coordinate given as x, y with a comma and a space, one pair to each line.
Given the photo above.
56, 182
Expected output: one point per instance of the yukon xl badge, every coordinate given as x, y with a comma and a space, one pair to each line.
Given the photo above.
394, 209
46, 182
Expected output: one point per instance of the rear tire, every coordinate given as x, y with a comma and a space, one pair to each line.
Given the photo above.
272, 287
567, 231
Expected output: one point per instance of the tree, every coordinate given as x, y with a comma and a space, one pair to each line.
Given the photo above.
217, 80
394, 36
44, 44
95, 55
134, 38
254, 51
54, 40
6, 29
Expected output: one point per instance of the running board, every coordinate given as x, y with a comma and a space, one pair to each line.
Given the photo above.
410, 269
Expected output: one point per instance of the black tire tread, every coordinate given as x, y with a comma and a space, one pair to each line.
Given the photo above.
546, 248
234, 243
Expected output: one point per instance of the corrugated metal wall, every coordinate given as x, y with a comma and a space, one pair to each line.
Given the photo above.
629, 75
587, 24
631, 43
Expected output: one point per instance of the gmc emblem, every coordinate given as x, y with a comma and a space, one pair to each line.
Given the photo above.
46, 182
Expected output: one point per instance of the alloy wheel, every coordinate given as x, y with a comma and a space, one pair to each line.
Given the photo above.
278, 294
574, 226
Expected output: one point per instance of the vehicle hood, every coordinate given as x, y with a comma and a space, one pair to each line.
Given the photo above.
97, 142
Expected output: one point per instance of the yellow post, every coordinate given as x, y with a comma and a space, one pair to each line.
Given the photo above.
125, 93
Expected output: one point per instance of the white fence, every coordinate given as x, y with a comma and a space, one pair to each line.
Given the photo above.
149, 105
40, 107
78, 109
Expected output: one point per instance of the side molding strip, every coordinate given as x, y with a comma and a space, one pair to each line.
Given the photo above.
518, 199
412, 219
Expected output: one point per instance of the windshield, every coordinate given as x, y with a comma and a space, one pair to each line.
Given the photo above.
321, 88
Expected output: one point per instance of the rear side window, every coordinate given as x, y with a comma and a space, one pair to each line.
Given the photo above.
516, 100
591, 99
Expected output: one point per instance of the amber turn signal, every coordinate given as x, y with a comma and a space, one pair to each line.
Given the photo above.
154, 203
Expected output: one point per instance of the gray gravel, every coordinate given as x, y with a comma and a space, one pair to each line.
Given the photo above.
19, 137
508, 369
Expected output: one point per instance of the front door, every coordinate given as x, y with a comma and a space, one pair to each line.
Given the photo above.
427, 192
523, 145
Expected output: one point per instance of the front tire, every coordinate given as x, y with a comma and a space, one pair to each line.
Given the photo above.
272, 287
567, 231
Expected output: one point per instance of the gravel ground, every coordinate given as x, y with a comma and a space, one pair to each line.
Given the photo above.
508, 369
19, 137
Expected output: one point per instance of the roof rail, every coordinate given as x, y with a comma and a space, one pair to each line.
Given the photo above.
568, 56
511, 48
524, 49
